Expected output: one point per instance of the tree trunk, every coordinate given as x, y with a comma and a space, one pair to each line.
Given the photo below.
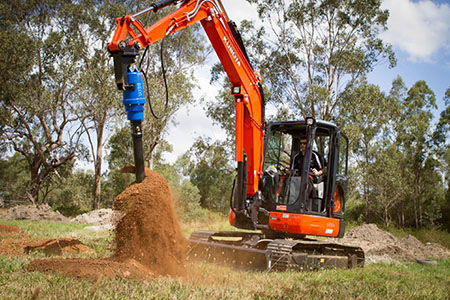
419, 200
35, 183
98, 168
150, 160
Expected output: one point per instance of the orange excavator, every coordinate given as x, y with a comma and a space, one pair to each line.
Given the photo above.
275, 194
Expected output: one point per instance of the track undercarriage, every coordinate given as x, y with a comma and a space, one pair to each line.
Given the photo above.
253, 251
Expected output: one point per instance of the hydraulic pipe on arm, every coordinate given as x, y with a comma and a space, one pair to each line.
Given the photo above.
246, 83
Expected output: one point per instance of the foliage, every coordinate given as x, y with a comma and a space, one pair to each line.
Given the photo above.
398, 175
14, 180
37, 116
207, 164
318, 49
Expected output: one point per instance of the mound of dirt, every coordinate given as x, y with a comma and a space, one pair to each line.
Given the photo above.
149, 232
32, 213
20, 246
148, 238
379, 245
91, 269
104, 216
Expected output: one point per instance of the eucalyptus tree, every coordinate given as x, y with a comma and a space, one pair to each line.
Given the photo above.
207, 164
309, 53
37, 71
316, 49
414, 138
367, 116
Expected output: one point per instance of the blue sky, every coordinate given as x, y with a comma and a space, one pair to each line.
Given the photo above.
419, 32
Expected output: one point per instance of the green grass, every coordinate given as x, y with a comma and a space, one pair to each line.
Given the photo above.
381, 281
206, 281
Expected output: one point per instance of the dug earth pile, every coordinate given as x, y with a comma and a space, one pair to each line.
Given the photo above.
34, 213
381, 246
13, 242
148, 238
150, 232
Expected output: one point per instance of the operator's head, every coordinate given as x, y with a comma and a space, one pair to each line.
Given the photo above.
303, 141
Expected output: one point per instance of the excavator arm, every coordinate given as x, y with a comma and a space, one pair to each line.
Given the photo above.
131, 36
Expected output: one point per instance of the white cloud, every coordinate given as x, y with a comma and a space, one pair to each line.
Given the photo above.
191, 120
237, 10
418, 28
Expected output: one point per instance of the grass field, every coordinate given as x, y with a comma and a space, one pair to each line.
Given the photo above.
205, 281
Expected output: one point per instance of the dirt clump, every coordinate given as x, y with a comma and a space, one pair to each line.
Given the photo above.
91, 269
33, 213
379, 245
150, 232
21, 246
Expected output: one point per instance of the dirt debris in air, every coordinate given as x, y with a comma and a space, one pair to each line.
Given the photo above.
148, 238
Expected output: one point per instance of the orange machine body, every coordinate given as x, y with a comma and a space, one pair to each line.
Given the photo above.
304, 224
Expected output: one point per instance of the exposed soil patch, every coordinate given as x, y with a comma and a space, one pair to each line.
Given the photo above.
379, 245
91, 269
20, 246
11, 231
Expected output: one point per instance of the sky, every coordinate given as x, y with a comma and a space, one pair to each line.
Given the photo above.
419, 32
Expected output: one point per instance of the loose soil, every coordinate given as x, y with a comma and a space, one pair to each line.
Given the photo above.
150, 232
148, 238
381, 246
104, 216
34, 213
11, 231
91, 269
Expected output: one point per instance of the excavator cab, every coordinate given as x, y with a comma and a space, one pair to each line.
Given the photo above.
290, 188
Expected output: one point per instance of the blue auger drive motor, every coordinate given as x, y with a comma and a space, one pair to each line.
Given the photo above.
134, 99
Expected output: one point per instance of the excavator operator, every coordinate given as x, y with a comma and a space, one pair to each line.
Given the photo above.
317, 167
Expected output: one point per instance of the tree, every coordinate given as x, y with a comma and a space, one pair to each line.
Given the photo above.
366, 114
319, 48
207, 164
441, 142
37, 94
98, 99
414, 138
